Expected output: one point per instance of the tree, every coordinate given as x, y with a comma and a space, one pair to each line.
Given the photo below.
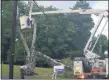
101, 45
58, 35
6, 27
81, 5
82, 24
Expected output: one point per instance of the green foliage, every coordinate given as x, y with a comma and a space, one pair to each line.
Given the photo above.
6, 19
58, 35
53, 36
82, 5
103, 42
68, 72
67, 61
43, 73
6, 26
106, 43
82, 24
20, 53
75, 54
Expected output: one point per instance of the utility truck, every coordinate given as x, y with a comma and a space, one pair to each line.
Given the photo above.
84, 67
91, 66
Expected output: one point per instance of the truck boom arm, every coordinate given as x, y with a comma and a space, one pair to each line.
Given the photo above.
82, 11
31, 55
87, 52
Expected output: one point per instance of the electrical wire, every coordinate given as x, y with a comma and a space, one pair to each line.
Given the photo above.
39, 8
47, 18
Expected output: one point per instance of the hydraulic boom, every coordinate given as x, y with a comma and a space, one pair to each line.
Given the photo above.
30, 65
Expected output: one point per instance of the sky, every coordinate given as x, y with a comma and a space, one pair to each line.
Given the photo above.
101, 5
65, 5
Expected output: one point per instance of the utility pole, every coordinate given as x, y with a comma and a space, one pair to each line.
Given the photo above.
14, 21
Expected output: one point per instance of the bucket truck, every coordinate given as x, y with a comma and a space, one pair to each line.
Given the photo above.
80, 63
89, 65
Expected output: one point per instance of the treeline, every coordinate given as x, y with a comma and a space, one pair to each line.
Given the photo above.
58, 35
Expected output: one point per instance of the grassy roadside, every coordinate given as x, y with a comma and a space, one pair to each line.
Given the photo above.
43, 73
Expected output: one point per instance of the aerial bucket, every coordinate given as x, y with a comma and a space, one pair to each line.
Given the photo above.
25, 22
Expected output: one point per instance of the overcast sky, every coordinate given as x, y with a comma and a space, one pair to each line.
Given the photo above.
65, 5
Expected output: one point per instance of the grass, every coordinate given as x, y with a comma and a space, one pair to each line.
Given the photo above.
43, 73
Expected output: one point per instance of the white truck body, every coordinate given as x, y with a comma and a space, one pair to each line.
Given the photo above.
106, 60
78, 67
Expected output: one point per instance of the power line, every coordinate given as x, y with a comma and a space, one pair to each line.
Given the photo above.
39, 7
41, 10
